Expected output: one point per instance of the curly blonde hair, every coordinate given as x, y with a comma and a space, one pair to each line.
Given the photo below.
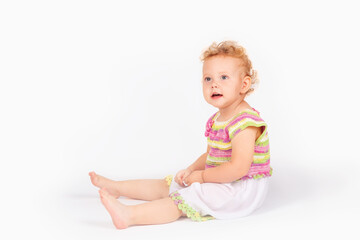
233, 49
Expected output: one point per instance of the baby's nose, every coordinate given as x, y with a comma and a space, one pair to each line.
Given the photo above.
214, 84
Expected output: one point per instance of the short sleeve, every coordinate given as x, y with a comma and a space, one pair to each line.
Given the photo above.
243, 121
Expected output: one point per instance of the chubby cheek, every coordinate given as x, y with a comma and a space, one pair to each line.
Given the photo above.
206, 93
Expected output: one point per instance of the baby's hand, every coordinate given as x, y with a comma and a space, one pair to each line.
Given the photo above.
181, 175
195, 176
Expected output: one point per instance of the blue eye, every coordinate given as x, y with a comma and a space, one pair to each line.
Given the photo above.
207, 79
223, 77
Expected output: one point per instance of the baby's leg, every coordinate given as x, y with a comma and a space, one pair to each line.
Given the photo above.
155, 212
146, 189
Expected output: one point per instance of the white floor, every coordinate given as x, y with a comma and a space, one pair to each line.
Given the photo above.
302, 203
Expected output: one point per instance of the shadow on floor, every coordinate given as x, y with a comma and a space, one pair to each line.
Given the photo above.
292, 183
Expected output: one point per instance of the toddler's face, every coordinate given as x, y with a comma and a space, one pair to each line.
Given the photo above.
222, 80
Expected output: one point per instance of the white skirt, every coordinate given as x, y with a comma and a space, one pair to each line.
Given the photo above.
207, 201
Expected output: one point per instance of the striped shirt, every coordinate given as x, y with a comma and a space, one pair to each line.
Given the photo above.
220, 134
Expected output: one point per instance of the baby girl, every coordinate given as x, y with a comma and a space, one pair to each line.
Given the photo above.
230, 180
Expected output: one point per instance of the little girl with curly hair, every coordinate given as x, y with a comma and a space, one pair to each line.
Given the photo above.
230, 180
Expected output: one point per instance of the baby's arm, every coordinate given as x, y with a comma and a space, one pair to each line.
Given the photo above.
199, 164
242, 154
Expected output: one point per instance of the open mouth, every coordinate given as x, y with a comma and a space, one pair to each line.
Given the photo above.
216, 95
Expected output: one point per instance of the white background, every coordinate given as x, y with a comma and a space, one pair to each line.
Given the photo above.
114, 86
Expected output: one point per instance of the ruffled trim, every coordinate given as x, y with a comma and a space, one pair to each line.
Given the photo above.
169, 179
186, 209
257, 176
208, 127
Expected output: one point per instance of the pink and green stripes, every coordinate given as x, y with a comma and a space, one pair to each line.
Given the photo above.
220, 134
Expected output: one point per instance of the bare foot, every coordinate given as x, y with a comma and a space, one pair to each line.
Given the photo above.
102, 182
119, 213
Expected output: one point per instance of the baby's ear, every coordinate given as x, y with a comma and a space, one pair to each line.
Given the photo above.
245, 84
